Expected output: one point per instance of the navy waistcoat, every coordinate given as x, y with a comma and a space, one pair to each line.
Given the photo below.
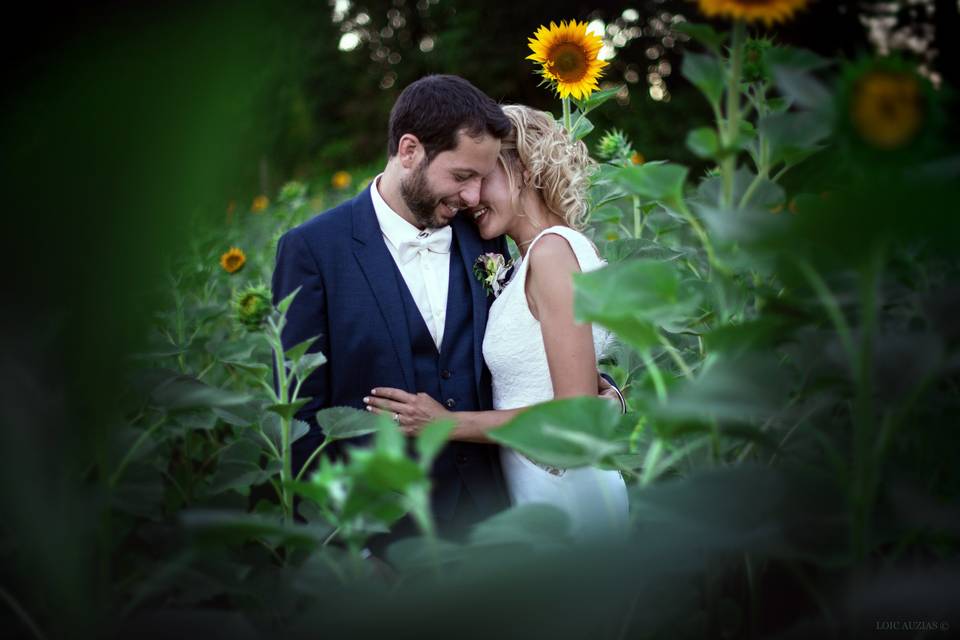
446, 375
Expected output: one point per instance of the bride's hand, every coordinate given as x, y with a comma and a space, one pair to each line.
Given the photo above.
410, 411
607, 391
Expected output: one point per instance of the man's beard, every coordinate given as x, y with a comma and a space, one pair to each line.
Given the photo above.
420, 200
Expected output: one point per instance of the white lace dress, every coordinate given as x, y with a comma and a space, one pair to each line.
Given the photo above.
594, 499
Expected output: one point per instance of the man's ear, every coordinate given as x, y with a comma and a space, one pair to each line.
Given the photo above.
409, 151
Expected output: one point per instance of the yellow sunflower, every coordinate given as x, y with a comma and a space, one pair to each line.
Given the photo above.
340, 180
887, 108
233, 260
568, 54
770, 11
259, 204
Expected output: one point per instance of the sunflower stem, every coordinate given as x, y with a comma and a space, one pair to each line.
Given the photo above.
566, 115
729, 135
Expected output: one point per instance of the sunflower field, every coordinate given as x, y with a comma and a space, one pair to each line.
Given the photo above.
785, 344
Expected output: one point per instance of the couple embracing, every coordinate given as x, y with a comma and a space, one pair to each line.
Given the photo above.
410, 332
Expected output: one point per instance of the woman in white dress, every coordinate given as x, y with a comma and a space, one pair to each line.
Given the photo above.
534, 349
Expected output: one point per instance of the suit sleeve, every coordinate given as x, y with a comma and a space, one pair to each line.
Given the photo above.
306, 317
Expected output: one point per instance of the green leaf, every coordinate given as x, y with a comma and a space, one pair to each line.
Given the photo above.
288, 409
180, 392
271, 427
737, 390
706, 73
795, 58
410, 554
202, 420
703, 142
625, 248
380, 479
340, 423
294, 353
529, 524
703, 33
657, 180
596, 99
227, 527
239, 468
286, 302
581, 127
802, 88
572, 432
328, 486
257, 370
389, 439
307, 364
633, 298
793, 136
239, 416
606, 213
432, 439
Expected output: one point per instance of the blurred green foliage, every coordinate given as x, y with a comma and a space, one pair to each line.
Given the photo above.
788, 345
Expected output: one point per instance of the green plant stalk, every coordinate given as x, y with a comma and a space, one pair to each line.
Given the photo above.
286, 474
655, 375
136, 445
754, 597
731, 129
864, 415
675, 354
715, 444
637, 218
181, 358
829, 302
22, 614
566, 115
650, 462
635, 434
311, 458
680, 454
763, 162
681, 206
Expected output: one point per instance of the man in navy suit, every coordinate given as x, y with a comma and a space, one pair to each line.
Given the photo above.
387, 284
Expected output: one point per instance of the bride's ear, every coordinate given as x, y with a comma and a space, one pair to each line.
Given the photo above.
527, 177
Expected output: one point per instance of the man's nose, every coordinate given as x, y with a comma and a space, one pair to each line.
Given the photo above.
470, 193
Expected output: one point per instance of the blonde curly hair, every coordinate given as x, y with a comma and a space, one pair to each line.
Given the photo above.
559, 168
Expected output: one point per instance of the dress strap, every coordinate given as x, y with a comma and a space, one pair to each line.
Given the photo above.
578, 242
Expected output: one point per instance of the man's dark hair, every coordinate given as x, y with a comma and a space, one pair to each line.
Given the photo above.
435, 108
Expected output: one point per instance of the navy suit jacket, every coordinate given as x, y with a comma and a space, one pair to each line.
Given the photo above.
349, 297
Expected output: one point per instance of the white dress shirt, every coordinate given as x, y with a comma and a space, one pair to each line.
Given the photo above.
427, 273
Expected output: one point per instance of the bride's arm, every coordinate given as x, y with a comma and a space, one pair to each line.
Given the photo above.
413, 411
568, 344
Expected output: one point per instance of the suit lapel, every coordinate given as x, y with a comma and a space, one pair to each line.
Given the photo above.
380, 271
470, 250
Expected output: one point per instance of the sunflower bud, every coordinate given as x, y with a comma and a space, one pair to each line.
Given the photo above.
755, 68
252, 305
615, 147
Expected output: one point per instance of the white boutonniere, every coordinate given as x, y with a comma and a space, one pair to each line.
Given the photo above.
491, 270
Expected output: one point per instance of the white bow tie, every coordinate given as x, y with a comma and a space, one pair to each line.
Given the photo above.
437, 242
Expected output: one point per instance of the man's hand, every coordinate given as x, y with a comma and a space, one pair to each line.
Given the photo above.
609, 392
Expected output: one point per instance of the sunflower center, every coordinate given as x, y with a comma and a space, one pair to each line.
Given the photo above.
568, 62
887, 109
